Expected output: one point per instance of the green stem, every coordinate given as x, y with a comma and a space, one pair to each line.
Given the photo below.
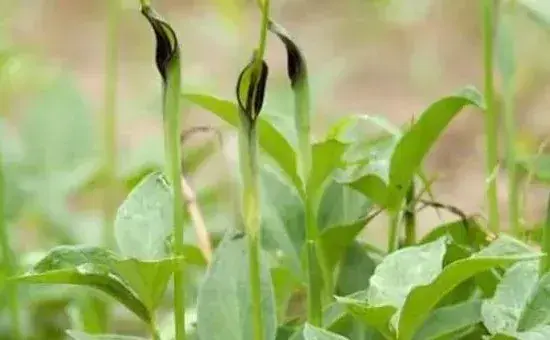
409, 217
173, 152
545, 244
394, 231
109, 121
314, 270
251, 211
508, 74
491, 118
9, 262
248, 152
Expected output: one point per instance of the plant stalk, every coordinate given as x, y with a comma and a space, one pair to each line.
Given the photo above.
545, 244
248, 153
109, 124
9, 262
393, 236
409, 216
172, 123
171, 119
251, 211
508, 74
491, 117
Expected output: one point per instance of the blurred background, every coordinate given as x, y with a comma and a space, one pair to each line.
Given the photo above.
378, 57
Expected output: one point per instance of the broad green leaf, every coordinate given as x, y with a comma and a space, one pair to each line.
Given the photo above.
538, 10
355, 270
144, 221
193, 255
77, 335
450, 319
86, 266
335, 240
315, 333
326, 157
270, 139
57, 131
466, 233
537, 310
377, 317
403, 270
415, 144
421, 300
341, 205
148, 279
538, 333
284, 285
501, 313
224, 296
369, 174
282, 218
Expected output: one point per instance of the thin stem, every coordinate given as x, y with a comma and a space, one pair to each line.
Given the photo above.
491, 118
508, 75
409, 217
314, 270
264, 6
251, 211
9, 263
145, 3
248, 153
545, 244
172, 116
393, 235
196, 216
109, 123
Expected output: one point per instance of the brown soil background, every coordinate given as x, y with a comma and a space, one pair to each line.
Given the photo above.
373, 63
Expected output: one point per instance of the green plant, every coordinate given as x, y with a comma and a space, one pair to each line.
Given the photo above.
290, 261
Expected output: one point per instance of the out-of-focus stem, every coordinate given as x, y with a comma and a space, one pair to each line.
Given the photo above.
491, 118
196, 216
9, 262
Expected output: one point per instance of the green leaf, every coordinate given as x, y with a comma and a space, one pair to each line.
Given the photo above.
369, 175
270, 139
377, 317
77, 335
57, 131
415, 144
539, 333
537, 310
224, 301
145, 219
402, 271
448, 320
341, 205
315, 333
393, 160
282, 219
502, 312
421, 300
467, 233
326, 157
148, 279
356, 268
86, 266
538, 10
335, 240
